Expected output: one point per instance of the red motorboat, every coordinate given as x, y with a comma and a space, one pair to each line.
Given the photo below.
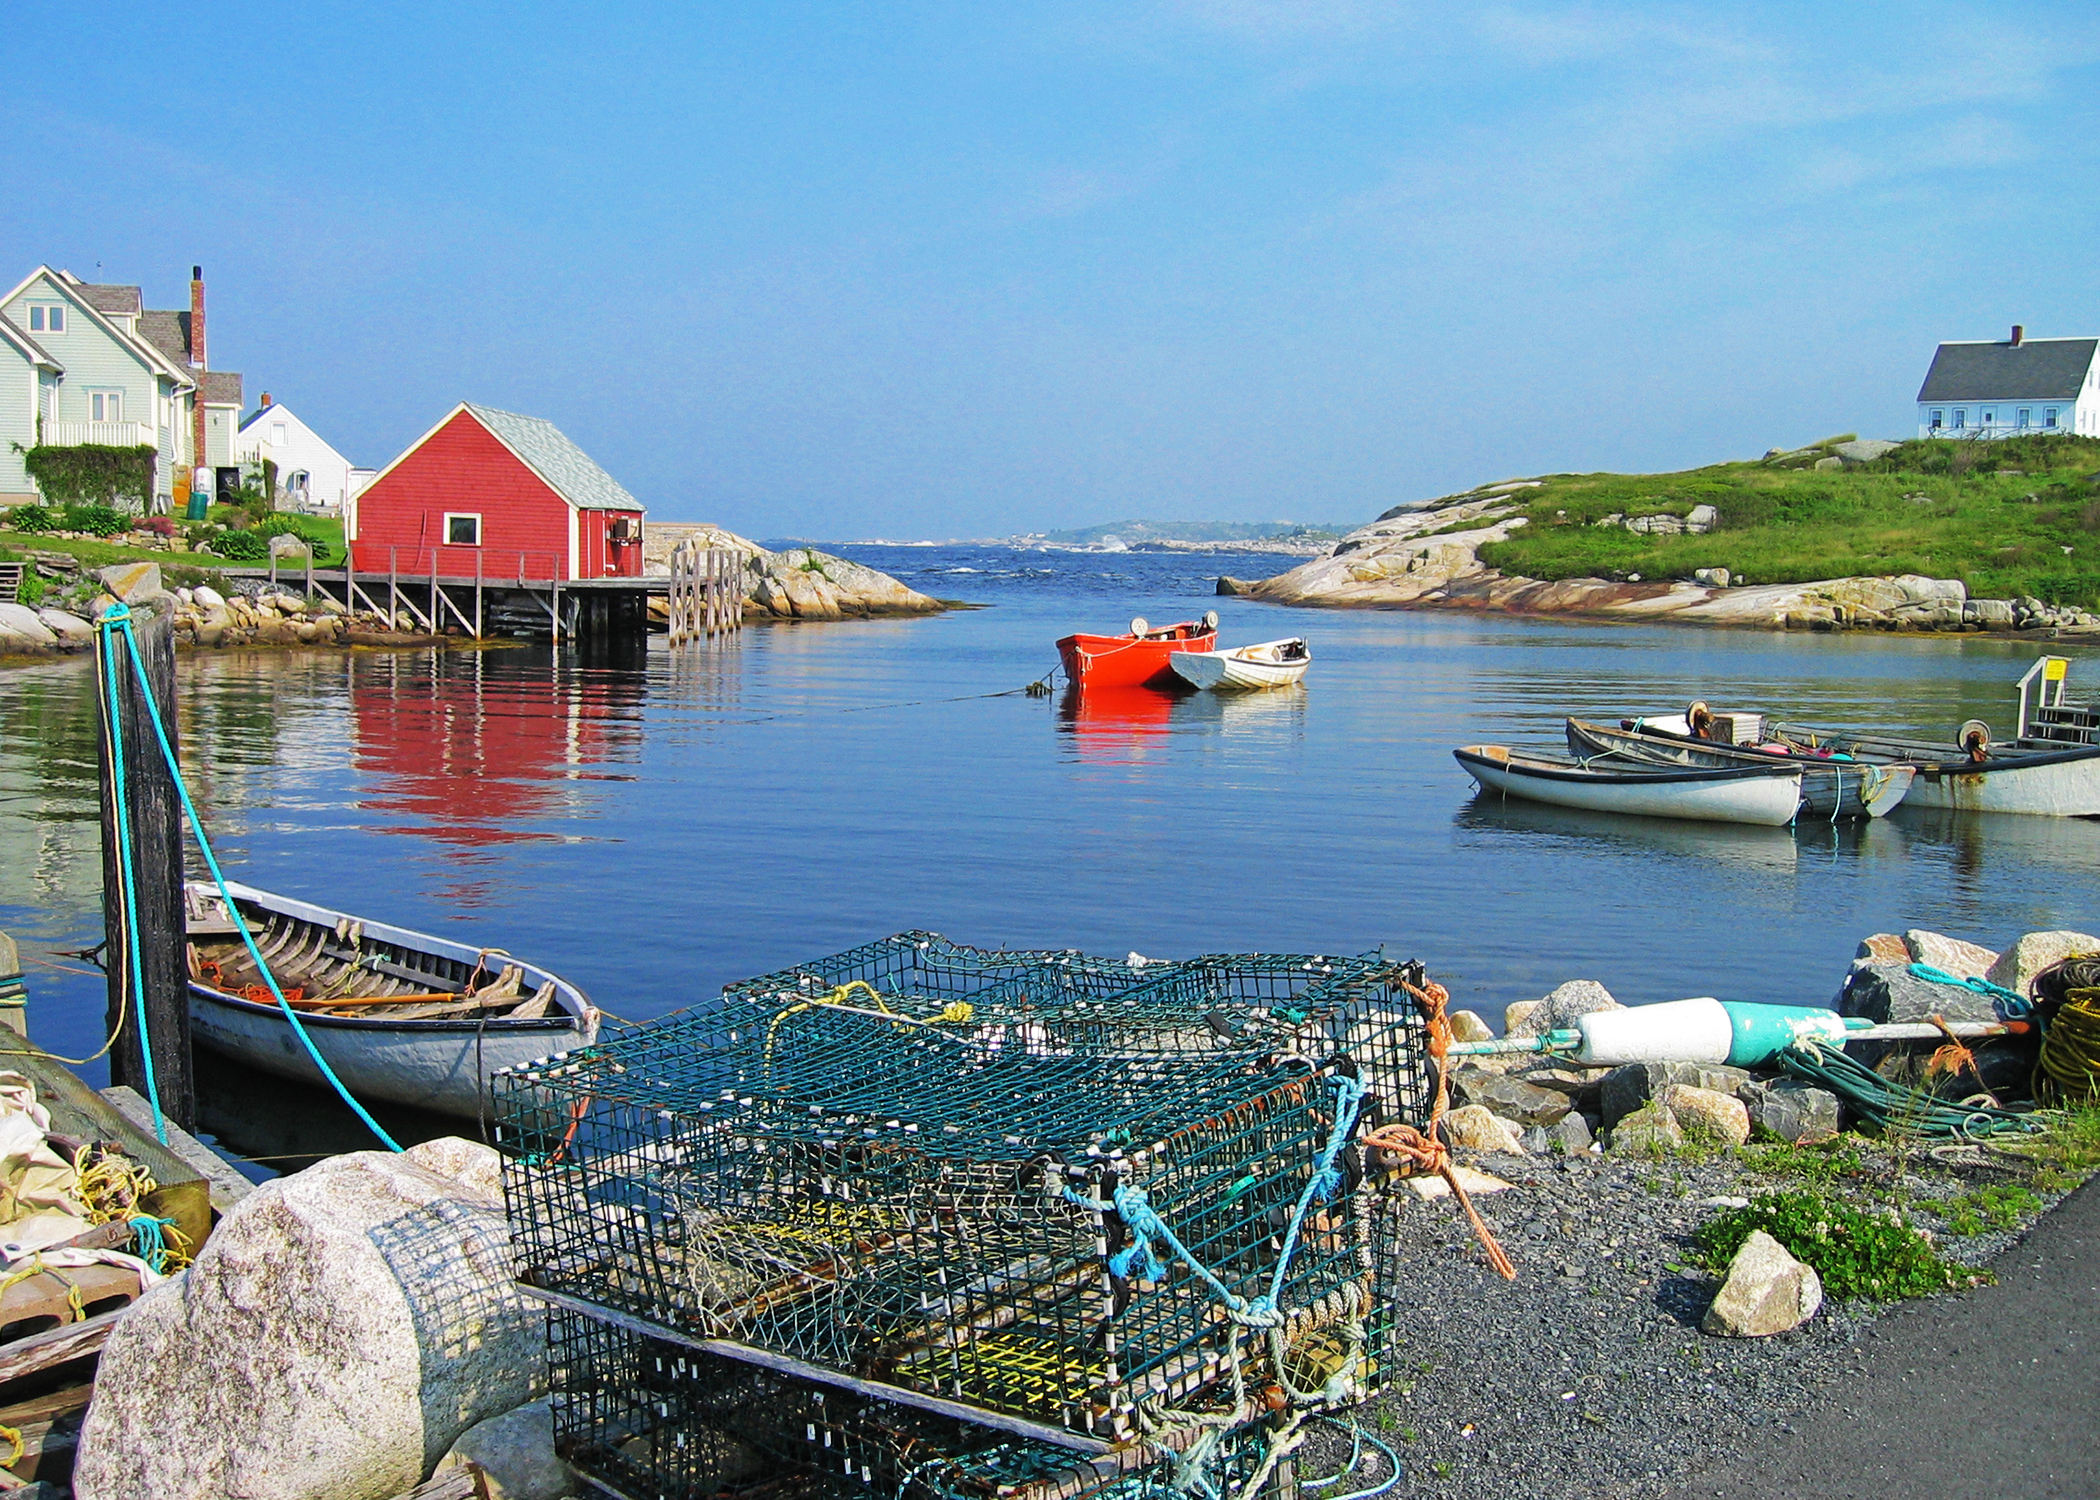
1138, 659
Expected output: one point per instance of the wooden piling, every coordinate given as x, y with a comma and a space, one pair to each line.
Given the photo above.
393, 586
153, 813
478, 632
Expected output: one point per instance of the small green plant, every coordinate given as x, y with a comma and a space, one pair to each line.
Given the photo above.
1442, 1467
1856, 1254
31, 519
1822, 1164
241, 546
1999, 1206
95, 520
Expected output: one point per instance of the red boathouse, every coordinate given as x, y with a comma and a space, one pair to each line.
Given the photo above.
500, 495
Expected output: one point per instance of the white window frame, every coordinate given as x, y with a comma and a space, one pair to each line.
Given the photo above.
1961, 419
105, 394
2024, 418
463, 515
1939, 420
2048, 418
47, 317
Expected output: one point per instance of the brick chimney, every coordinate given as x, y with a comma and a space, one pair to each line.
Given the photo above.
197, 364
266, 398
2019, 332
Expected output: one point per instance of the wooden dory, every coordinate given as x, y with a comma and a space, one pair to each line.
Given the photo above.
400, 1015
1249, 668
1768, 795
1829, 788
1137, 659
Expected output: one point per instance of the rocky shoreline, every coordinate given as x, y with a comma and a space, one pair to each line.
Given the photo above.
1614, 1364
1429, 559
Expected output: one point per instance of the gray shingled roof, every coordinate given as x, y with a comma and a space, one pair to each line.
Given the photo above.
27, 344
221, 387
2035, 370
110, 299
169, 332
557, 460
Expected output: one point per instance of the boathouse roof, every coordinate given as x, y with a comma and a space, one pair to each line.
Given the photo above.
2005, 370
550, 454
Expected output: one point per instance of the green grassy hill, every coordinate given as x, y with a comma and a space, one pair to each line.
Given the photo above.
2014, 517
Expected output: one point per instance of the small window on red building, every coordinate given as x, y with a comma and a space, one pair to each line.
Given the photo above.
462, 531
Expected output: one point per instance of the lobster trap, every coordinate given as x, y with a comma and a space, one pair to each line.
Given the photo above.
1085, 1213
647, 1418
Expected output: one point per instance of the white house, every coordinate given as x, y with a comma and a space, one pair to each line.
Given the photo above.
311, 475
2013, 386
88, 363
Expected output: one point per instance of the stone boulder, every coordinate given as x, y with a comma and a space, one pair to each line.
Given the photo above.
338, 1333
1790, 1110
1468, 1026
1578, 997
1650, 1130
1890, 992
1570, 1135
1707, 1112
1950, 955
2016, 967
69, 628
1882, 948
132, 582
21, 630
516, 1455
1511, 1098
1472, 1127
1627, 1088
1767, 1292
1862, 450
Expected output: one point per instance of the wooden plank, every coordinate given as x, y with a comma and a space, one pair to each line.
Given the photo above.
154, 815
43, 1350
49, 1407
223, 1180
467, 1482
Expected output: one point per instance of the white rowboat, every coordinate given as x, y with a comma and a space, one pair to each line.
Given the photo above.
1271, 664
399, 1015
1766, 795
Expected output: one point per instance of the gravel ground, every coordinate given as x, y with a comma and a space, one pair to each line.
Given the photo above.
1588, 1375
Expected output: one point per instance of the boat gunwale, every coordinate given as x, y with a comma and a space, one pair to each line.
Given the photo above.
1521, 763
497, 1025
1997, 760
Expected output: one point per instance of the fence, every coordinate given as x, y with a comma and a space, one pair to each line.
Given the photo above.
707, 591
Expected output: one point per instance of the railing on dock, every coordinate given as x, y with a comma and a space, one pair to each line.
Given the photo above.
707, 591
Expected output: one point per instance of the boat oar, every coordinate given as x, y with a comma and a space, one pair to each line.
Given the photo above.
1743, 1034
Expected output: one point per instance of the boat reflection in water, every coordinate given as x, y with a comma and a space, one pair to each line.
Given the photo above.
1132, 725
1489, 815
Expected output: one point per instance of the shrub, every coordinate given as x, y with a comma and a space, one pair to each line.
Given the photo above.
31, 519
158, 525
306, 532
241, 546
1856, 1254
91, 474
96, 520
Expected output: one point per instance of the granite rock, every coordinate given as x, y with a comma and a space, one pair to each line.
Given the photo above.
516, 1455
1767, 1292
2016, 967
1881, 948
1625, 1089
1707, 1112
1511, 1098
1649, 1130
1790, 1110
1467, 1026
1472, 1127
1578, 997
1890, 992
1570, 1135
20, 629
1951, 955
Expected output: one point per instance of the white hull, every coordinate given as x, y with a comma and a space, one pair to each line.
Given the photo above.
2055, 789
1766, 799
440, 1065
1247, 669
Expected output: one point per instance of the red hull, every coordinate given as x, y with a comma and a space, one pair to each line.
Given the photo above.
1108, 661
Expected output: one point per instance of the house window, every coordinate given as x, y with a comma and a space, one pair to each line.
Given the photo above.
297, 480
277, 434
462, 531
1989, 417
43, 319
2048, 416
1939, 420
2021, 420
105, 406
1961, 418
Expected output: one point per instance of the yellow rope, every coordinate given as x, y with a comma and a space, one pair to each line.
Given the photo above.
2070, 1060
954, 1013
111, 1186
15, 1444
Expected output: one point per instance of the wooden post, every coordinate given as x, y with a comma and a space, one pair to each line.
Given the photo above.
309, 572
393, 586
478, 632
349, 584
437, 610
154, 815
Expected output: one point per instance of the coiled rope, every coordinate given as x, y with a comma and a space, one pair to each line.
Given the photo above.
1894, 1106
117, 621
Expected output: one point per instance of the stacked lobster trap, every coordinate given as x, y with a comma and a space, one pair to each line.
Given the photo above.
962, 1209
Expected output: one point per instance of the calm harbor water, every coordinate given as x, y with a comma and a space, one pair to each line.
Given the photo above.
658, 825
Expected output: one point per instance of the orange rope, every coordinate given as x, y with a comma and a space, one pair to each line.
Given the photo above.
1425, 1150
1953, 1057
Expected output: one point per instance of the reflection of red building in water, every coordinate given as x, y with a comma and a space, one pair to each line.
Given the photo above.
483, 748
494, 494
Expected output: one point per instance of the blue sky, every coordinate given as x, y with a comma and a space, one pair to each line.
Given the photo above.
952, 270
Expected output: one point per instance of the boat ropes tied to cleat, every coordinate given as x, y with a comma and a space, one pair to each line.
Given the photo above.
116, 622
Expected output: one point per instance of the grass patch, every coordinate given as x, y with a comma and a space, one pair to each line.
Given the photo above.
1998, 515
1999, 1206
1856, 1253
1821, 1164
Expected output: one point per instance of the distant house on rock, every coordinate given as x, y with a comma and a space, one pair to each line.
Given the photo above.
2012, 387
500, 494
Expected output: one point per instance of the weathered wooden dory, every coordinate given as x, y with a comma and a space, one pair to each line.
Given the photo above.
1829, 788
2023, 777
1246, 668
399, 1015
1766, 794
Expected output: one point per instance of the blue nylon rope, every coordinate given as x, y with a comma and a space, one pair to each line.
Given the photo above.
127, 880
2010, 1004
119, 615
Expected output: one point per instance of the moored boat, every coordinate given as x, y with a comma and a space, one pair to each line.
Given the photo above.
1831, 786
1245, 668
399, 1015
1763, 794
1138, 658
2024, 777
